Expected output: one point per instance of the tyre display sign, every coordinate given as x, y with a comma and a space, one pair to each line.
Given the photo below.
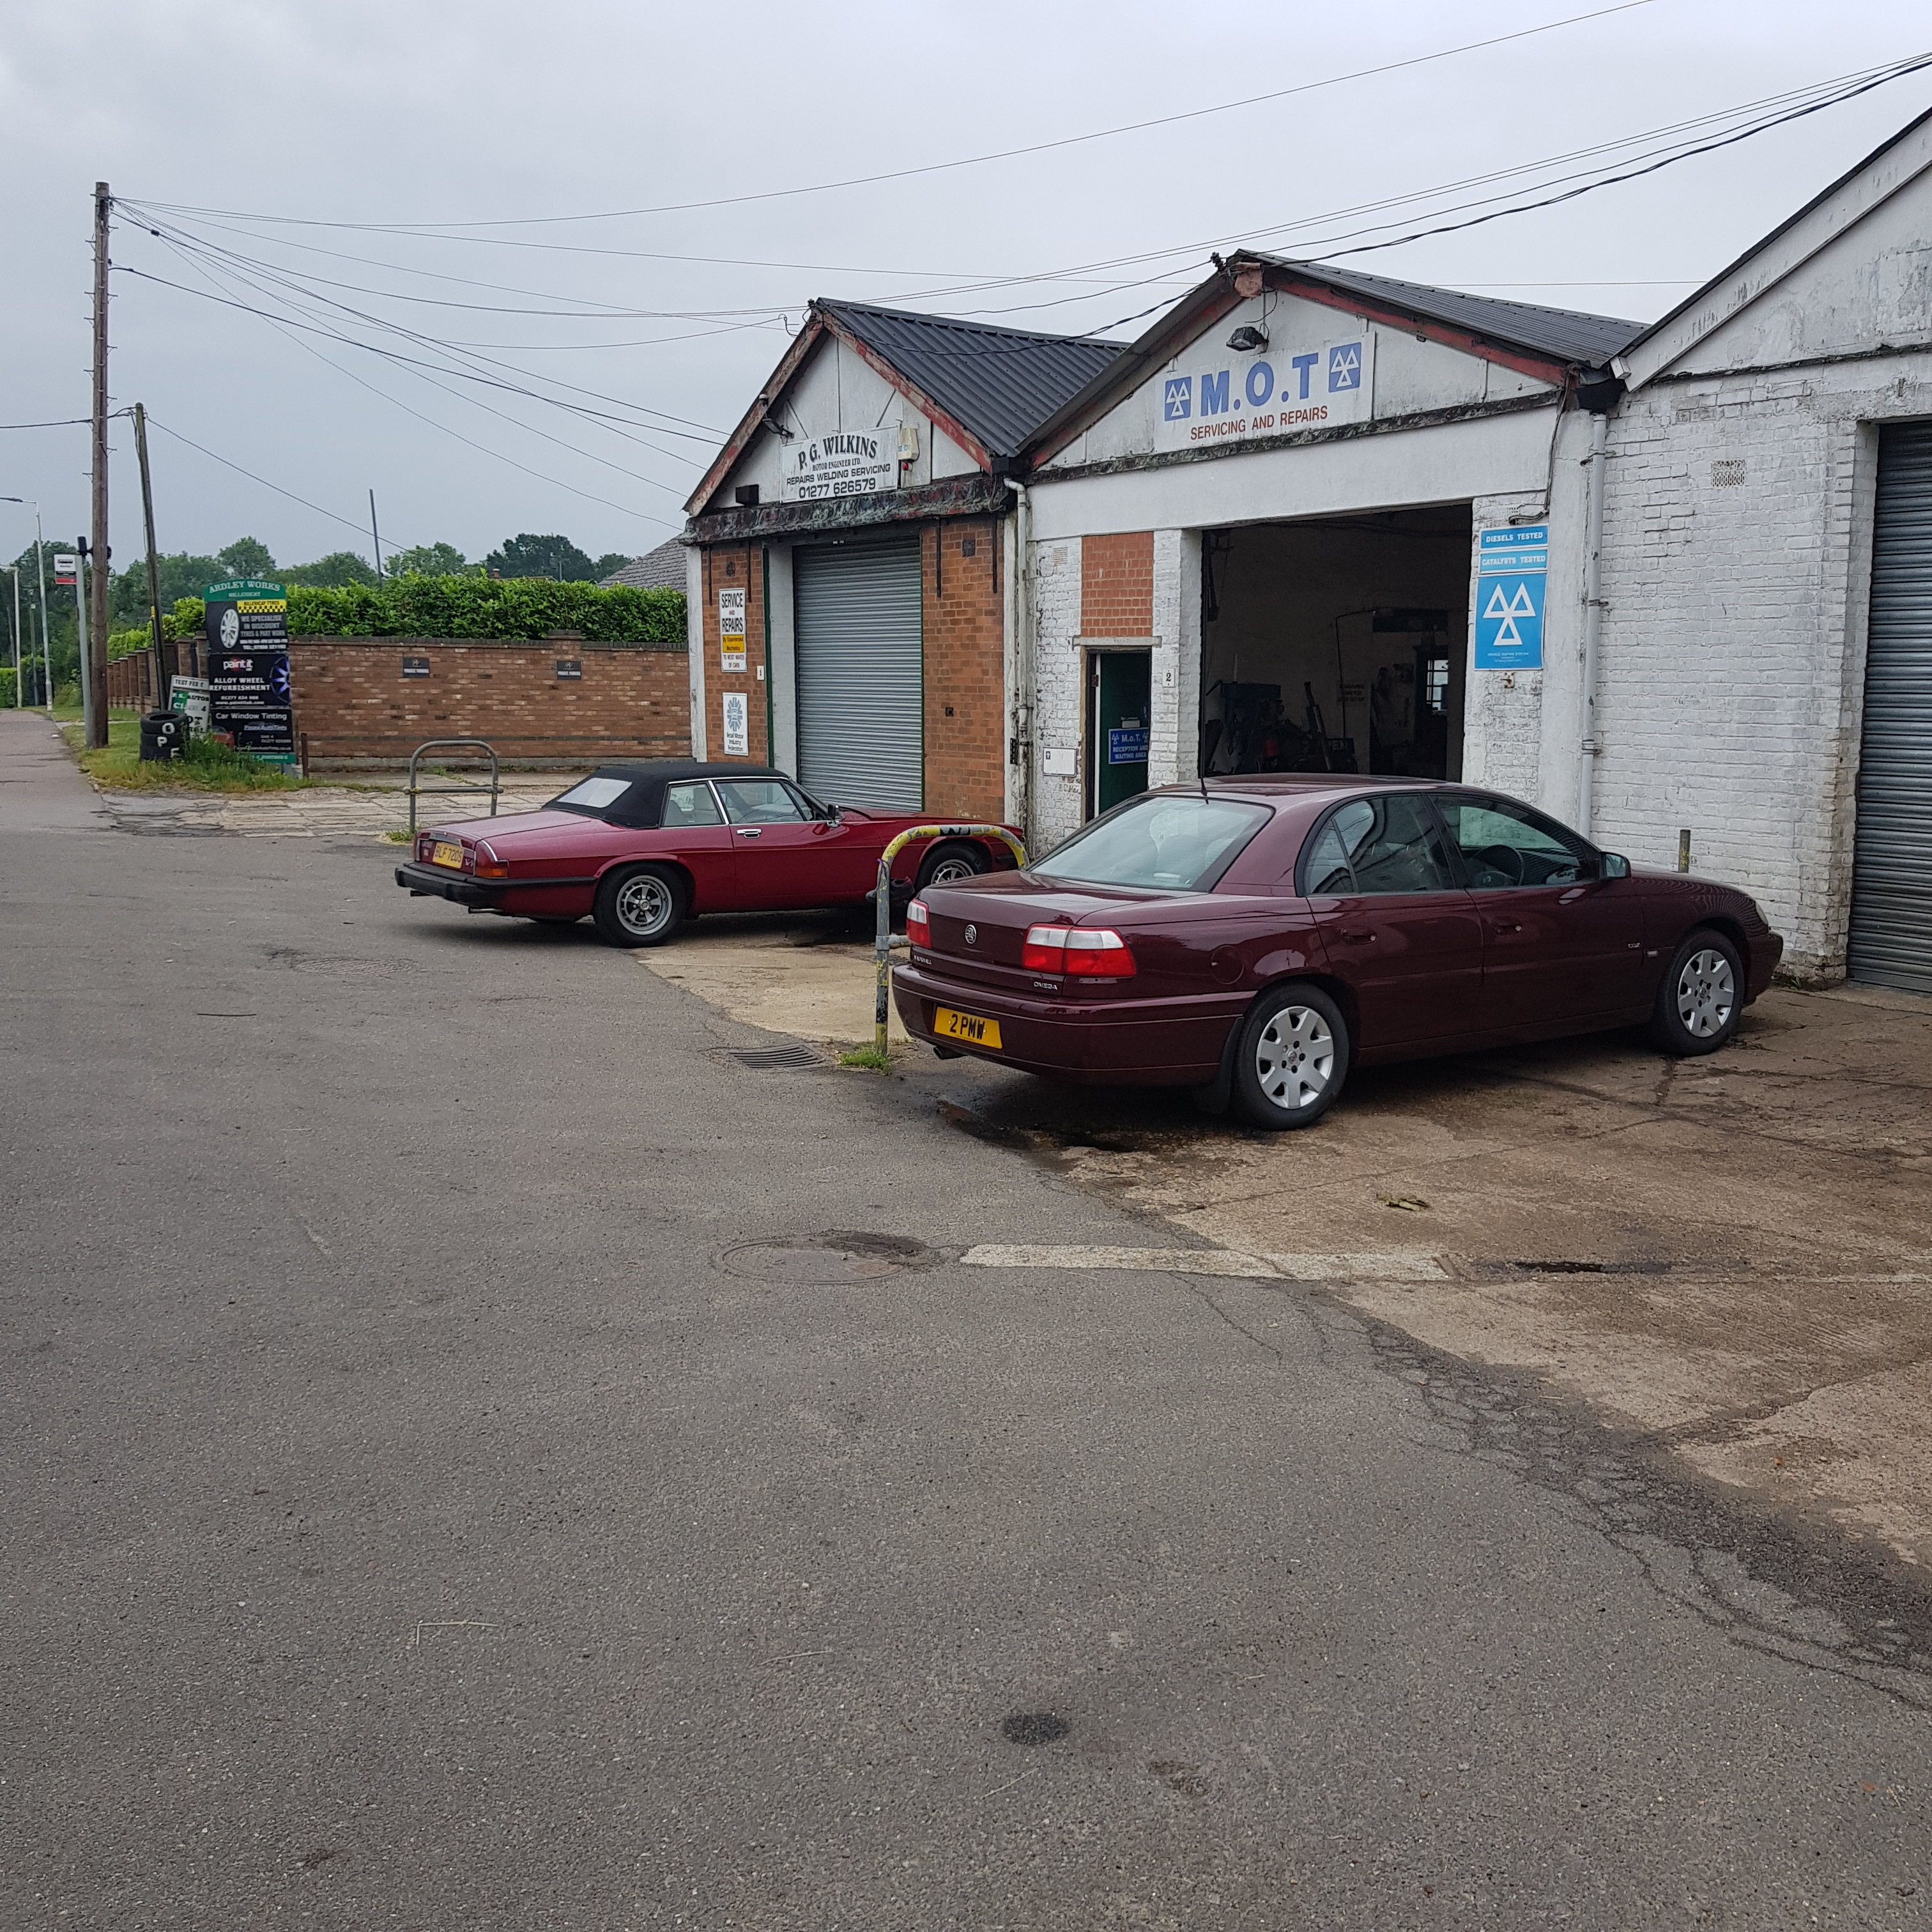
251, 702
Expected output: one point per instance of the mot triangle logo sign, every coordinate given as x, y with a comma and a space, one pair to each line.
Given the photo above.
1512, 570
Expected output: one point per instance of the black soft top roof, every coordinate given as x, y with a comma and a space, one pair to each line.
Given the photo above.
643, 805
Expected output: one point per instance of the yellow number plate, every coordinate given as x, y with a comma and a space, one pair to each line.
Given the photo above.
444, 854
967, 1027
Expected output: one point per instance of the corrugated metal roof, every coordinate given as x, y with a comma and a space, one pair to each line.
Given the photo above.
659, 569
998, 384
1569, 335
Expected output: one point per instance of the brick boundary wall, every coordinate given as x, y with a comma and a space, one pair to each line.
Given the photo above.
355, 709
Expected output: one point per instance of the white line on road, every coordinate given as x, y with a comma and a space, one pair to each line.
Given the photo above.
1407, 1264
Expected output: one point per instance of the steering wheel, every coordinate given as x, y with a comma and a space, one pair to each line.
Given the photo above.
1496, 866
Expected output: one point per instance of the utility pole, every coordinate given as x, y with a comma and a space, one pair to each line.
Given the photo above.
19, 696
46, 648
164, 671
94, 635
375, 536
80, 589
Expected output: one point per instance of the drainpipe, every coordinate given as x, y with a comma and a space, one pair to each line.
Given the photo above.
1019, 589
1593, 615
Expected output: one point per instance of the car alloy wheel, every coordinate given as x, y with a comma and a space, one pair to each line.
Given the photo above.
1295, 1058
644, 906
950, 869
1707, 993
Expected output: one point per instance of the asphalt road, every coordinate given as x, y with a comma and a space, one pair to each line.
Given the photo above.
427, 1506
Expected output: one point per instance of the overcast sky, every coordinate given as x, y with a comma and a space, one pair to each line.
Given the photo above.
406, 112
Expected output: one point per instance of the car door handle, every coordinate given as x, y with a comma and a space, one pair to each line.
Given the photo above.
1357, 933
749, 831
1507, 925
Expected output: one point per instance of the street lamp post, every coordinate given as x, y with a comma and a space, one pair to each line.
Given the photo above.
40, 570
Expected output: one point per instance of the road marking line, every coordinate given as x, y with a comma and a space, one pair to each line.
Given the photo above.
1408, 1265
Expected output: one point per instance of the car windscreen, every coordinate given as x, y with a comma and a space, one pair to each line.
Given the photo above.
593, 796
1168, 842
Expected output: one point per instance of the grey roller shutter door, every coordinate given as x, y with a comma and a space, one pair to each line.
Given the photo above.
1891, 942
861, 685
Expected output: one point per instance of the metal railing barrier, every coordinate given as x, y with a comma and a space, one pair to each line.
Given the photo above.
494, 788
882, 965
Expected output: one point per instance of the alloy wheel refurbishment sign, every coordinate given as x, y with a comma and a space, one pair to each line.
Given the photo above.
250, 701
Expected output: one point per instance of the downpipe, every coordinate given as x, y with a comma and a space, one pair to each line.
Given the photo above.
1019, 588
1590, 746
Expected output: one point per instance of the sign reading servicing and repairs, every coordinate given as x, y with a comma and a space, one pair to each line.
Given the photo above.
860, 463
1228, 397
250, 700
1512, 569
731, 627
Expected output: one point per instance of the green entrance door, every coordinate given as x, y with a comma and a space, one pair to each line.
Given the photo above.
1120, 687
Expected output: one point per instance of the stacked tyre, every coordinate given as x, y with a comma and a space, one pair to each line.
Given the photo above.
163, 735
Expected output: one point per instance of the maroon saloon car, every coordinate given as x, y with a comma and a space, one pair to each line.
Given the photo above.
1254, 937
642, 847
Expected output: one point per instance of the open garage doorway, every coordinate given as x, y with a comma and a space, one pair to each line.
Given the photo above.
1336, 644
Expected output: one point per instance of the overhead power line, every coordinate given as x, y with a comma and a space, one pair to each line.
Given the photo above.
970, 161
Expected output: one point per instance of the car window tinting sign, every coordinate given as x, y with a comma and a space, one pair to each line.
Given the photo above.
251, 700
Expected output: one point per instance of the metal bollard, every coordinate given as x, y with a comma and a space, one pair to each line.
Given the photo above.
882, 962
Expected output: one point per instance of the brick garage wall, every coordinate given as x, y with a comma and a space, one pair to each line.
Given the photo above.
1117, 585
727, 567
1057, 575
964, 628
355, 707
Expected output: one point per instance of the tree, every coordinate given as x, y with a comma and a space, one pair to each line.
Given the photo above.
181, 575
436, 559
610, 564
247, 557
553, 556
332, 572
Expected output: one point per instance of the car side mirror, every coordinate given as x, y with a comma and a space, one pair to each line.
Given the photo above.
1615, 866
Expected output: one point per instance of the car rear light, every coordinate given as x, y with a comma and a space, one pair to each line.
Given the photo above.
1045, 949
487, 865
918, 927
1077, 953
1098, 956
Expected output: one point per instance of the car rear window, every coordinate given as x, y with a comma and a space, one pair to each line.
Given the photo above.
1172, 842
594, 795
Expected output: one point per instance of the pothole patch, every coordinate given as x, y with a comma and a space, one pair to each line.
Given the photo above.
840, 1255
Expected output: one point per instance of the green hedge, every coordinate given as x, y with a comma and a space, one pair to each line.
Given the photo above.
471, 607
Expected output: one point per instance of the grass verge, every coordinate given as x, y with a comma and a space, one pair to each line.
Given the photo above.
868, 1057
117, 766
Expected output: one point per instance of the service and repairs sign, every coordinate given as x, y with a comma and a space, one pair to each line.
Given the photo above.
1226, 395
1512, 573
851, 463
731, 627
250, 701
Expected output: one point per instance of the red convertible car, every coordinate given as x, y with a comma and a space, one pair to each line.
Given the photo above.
1254, 937
642, 847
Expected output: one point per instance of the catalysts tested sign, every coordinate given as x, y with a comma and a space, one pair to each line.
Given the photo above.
1227, 396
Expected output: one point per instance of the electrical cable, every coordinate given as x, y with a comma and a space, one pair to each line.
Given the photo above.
968, 161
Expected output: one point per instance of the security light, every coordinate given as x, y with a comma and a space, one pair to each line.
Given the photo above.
1248, 336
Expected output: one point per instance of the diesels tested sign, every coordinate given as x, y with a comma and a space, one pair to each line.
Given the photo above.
1229, 397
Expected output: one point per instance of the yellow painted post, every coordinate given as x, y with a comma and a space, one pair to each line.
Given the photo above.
882, 948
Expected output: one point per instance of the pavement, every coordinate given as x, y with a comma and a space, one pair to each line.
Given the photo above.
482, 1453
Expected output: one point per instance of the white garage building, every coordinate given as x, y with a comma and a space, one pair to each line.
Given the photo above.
1321, 519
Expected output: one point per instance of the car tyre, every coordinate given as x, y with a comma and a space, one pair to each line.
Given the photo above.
640, 905
948, 863
1290, 1058
1702, 996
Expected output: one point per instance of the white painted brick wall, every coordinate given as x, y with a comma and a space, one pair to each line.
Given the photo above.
1056, 714
1732, 666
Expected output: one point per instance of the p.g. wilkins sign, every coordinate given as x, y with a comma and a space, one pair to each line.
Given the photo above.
859, 463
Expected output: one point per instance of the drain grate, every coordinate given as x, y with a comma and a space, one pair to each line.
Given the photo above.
777, 1059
